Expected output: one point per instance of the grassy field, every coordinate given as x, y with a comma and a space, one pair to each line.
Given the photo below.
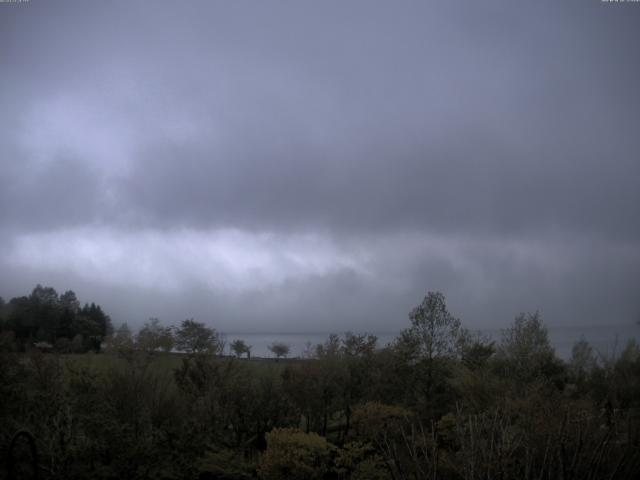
162, 364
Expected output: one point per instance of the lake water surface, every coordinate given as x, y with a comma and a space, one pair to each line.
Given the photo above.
607, 340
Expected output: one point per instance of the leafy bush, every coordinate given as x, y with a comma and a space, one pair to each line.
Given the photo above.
293, 454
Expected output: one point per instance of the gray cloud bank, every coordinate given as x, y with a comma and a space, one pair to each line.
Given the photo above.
309, 166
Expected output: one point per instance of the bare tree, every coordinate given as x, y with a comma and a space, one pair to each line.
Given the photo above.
153, 336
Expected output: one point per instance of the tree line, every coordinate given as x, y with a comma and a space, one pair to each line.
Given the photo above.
437, 402
51, 321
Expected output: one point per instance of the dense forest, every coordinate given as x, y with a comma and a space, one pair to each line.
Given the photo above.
52, 321
79, 399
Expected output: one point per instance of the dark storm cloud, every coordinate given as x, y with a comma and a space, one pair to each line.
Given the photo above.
479, 185
487, 149
64, 193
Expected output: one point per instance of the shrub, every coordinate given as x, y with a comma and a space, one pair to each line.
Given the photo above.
293, 454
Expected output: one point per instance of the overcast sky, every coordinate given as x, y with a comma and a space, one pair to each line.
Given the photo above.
315, 166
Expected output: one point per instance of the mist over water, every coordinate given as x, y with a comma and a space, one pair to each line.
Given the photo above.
606, 340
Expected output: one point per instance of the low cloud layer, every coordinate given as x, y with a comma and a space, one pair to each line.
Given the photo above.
319, 166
